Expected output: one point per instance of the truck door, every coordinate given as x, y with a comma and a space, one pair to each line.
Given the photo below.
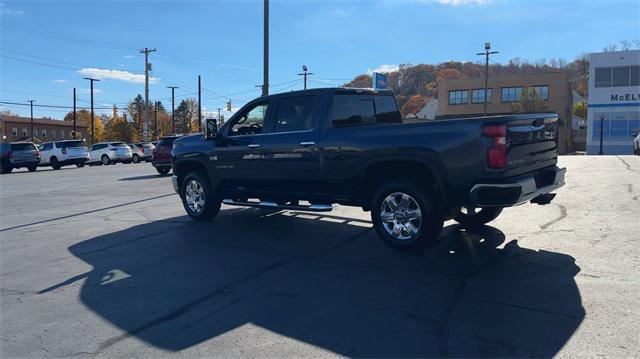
289, 151
237, 160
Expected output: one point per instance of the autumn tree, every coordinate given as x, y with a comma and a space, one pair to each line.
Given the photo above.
414, 104
529, 102
580, 109
83, 118
136, 109
117, 129
186, 116
360, 81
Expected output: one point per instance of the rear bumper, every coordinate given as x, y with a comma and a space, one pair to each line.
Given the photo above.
161, 164
515, 193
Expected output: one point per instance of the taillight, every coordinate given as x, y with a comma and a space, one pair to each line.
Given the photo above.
37, 153
497, 153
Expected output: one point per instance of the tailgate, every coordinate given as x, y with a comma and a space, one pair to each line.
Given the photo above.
532, 142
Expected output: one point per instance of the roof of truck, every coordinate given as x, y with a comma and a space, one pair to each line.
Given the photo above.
333, 89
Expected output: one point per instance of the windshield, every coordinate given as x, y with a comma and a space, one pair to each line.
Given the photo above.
23, 147
68, 144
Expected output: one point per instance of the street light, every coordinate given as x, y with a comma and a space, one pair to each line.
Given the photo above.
486, 53
601, 132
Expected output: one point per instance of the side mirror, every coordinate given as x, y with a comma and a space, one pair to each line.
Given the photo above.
211, 129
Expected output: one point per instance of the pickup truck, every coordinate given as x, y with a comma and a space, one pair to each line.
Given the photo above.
307, 150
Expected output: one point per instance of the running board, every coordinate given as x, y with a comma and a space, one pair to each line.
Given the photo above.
274, 205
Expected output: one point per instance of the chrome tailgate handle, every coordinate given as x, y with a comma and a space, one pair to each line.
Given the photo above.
254, 145
307, 143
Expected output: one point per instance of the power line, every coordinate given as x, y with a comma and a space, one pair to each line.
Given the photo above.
51, 106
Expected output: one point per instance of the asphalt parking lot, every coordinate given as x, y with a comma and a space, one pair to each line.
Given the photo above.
103, 261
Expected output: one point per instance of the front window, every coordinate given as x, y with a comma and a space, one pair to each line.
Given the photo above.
477, 96
251, 122
511, 94
458, 97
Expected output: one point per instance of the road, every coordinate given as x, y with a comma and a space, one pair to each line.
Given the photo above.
102, 261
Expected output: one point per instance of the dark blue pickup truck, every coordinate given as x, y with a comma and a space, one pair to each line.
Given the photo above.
308, 150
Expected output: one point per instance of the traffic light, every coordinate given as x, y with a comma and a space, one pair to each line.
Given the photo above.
229, 106
73, 134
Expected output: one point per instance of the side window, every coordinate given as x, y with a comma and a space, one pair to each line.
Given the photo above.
352, 110
295, 114
251, 122
46, 146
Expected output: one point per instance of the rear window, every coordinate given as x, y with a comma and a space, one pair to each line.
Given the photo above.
69, 144
23, 147
362, 110
167, 141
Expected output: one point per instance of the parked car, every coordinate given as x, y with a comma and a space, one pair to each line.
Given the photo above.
17, 155
636, 144
162, 154
106, 153
63, 153
141, 151
351, 147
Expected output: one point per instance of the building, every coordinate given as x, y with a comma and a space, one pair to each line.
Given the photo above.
428, 111
466, 97
614, 96
15, 128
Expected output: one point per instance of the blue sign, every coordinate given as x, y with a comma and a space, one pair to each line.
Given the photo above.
379, 81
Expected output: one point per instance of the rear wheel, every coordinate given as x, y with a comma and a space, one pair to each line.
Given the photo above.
405, 216
32, 168
55, 164
198, 198
136, 158
80, 165
163, 170
106, 160
471, 217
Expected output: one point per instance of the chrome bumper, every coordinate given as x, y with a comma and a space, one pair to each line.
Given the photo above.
512, 194
174, 181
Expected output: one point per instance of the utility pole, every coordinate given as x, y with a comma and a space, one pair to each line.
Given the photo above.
305, 74
155, 119
265, 70
31, 105
486, 53
91, 80
74, 113
199, 106
219, 109
145, 126
173, 100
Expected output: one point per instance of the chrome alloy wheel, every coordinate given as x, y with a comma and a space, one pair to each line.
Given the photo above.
195, 197
401, 216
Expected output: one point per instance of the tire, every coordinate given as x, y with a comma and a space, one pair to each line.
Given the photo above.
80, 165
32, 168
105, 160
55, 164
136, 158
198, 198
405, 229
162, 170
471, 217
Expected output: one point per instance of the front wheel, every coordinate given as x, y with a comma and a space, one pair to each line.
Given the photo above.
32, 168
136, 158
198, 198
473, 217
105, 160
162, 170
80, 165
55, 164
405, 216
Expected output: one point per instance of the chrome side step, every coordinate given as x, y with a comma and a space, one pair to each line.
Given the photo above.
274, 205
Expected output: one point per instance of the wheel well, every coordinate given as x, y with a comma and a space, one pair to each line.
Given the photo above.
183, 168
378, 173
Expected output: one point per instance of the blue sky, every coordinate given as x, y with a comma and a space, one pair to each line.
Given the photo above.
47, 47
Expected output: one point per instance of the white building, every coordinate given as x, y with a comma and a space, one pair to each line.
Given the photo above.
429, 111
614, 94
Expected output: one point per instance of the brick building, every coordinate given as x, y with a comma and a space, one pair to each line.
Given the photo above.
466, 97
15, 128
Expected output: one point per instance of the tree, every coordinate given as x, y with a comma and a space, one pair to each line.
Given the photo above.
117, 129
136, 111
580, 109
414, 104
529, 102
361, 81
185, 116
83, 118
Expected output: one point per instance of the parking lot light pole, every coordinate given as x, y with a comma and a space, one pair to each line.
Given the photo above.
486, 53
601, 132
31, 105
173, 100
91, 80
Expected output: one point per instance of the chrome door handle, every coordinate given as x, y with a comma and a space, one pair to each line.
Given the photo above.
254, 145
309, 143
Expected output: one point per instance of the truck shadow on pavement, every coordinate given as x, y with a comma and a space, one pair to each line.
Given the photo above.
249, 277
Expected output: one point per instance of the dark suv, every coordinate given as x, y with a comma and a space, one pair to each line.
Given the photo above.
18, 154
162, 154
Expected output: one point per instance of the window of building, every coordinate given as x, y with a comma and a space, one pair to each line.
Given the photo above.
24, 132
620, 76
14, 132
477, 96
603, 77
634, 79
62, 134
53, 133
44, 133
295, 114
619, 126
511, 94
35, 132
458, 97
542, 91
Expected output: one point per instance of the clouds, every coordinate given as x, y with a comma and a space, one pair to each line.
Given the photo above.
384, 69
463, 2
125, 76
128, 56
60, 81
4, 10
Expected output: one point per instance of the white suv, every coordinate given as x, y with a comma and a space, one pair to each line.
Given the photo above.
107, 153
62, 153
